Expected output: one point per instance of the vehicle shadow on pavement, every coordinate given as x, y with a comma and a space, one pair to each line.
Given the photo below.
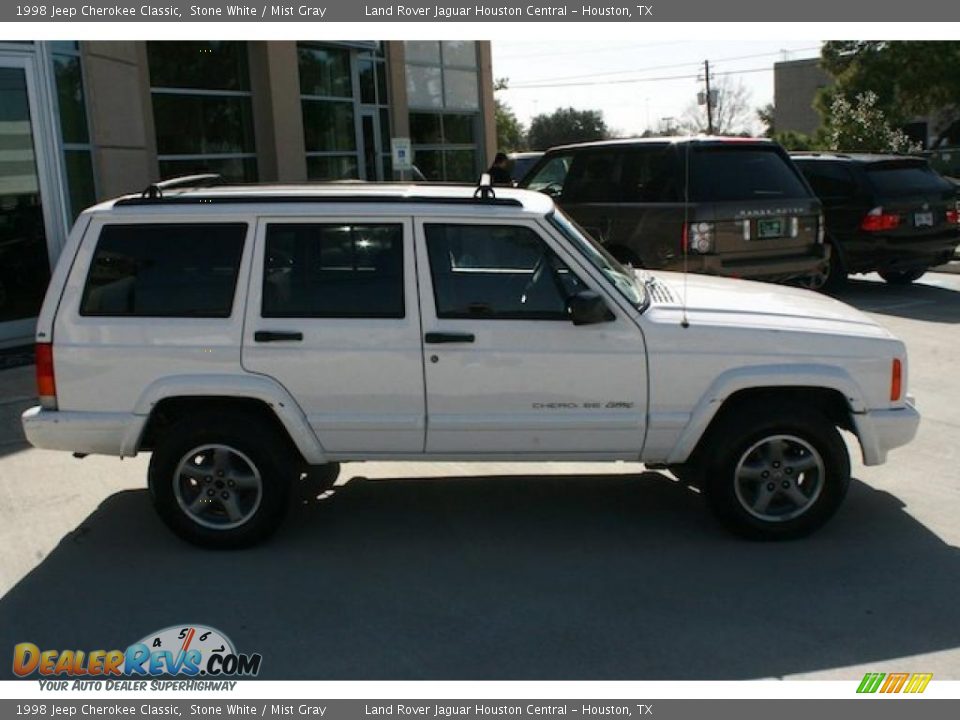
916, 302
557, 577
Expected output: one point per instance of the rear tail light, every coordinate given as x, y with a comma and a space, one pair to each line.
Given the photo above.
697, 237
821, 229
896, 380
794, 227
877, 220
46, 384
953, 216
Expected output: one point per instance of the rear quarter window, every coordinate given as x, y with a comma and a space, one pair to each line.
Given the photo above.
164, 270
906, 179
736, 172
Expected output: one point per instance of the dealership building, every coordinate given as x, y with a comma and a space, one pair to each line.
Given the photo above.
84, 121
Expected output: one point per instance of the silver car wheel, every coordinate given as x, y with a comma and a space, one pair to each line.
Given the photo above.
218, 487
779, 478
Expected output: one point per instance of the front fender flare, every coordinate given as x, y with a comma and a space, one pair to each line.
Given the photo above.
760, 377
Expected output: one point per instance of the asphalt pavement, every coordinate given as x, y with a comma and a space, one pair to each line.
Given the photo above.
515, 571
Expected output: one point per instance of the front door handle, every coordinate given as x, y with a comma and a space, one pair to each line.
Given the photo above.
437, 338
277, 336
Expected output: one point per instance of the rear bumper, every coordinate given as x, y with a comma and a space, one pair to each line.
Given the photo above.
810, 262
883, 253
883, 430
83, 432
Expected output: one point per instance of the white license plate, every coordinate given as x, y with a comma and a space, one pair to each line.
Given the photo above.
923, 219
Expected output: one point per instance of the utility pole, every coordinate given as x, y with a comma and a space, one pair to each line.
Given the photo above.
706, 76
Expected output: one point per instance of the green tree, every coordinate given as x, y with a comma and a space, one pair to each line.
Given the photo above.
766, 116
511, 135
908, 78
793, 140
862, 126
566, 125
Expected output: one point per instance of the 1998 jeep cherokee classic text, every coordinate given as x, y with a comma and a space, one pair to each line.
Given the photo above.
246, 334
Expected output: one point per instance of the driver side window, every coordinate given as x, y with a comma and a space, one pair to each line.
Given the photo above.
497, 272
550, 178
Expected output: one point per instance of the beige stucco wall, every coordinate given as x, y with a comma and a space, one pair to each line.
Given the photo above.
117, 88
278, 120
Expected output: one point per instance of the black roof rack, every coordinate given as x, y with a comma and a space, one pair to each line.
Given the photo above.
483, 194
154, 191
253, 197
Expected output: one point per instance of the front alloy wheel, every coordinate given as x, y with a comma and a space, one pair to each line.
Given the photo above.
770, 475
779, 478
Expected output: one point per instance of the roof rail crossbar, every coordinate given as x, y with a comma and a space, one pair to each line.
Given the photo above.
484, 189
154, 191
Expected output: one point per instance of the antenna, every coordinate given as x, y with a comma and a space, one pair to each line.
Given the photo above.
684, 320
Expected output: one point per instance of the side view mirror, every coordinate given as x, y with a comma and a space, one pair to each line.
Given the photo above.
588, 308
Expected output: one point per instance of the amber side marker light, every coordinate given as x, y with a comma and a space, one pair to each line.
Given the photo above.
46, 384
896, 380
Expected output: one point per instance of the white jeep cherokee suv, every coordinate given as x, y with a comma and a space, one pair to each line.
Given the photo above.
246, 335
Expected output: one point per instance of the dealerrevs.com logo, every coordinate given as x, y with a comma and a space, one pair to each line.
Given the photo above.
898, 682
184, 650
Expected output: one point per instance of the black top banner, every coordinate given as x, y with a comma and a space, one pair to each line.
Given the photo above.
478, 11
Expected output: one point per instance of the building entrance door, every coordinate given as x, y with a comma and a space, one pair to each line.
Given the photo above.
25, 241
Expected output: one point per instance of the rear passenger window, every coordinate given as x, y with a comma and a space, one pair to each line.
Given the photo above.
164, 270
828, 180
497, 272
648, 176
594, 177
333, 271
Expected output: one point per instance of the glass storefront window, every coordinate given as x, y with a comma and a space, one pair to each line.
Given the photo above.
73, 113
332, 167
424, 87
325, 71
328, 125
238, 169
419, 51
442, 77
460, 53
74, 131
210, 65
202, 124
202, 107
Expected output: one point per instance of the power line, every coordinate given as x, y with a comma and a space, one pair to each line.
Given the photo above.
639, 80
554, 53
531, 83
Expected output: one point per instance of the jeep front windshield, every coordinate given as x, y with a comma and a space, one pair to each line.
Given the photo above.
622, 278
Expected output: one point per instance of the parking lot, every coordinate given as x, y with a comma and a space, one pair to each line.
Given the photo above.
515, 571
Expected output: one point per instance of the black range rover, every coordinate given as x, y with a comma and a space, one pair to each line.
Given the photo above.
734, 206
892, 214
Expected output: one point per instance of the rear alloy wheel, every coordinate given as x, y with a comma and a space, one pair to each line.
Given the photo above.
773, 478
902, 277
221, 481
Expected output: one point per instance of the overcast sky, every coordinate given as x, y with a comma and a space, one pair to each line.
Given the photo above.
670, 68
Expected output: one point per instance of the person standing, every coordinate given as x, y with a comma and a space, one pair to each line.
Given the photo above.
499, 174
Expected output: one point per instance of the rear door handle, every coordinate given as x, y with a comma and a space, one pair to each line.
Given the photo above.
437, 338
277, 336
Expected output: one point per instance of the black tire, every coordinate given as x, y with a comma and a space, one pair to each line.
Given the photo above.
902, 277
836, 276
730, 496
260, 456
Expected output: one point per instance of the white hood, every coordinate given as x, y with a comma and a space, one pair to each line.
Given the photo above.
743, 303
